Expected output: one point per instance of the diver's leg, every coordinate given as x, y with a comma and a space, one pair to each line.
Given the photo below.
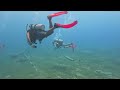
66, 45
50, 21
50, 31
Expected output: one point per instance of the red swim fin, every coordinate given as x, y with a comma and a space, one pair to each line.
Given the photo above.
58, 13
67, 25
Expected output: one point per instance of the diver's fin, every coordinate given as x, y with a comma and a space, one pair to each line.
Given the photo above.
58, 14
66, 25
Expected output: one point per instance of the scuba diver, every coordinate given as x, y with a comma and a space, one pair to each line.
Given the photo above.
37, 31
58, 43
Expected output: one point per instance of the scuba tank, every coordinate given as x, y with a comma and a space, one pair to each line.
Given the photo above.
59, 41
37, 26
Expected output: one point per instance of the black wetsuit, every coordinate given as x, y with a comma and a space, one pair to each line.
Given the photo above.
38, 35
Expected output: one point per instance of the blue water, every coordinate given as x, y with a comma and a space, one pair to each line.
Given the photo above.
96, 36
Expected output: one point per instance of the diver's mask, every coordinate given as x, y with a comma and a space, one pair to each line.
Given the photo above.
37, 26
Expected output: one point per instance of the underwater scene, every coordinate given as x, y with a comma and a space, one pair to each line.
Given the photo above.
59, 44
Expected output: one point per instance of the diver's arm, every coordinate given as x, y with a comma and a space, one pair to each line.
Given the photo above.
28, 38
67, 44
29, 41
54, 27
51, 30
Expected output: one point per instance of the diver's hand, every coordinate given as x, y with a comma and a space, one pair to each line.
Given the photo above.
33, 46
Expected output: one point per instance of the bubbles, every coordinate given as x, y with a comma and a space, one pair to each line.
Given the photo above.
36, 18
37, 13
58, 34
4, 21
69, 18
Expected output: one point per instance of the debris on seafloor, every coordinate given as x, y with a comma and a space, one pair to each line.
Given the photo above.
79, 75
8, 76
69, 58
109, 74
100, 71
59, 77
